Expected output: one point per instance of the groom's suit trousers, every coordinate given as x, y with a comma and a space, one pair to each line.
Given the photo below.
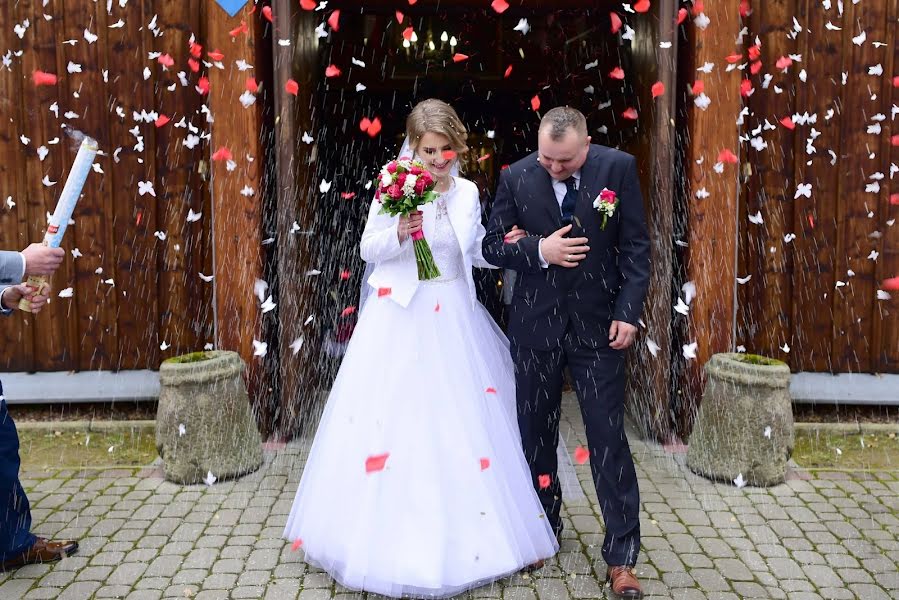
599, 380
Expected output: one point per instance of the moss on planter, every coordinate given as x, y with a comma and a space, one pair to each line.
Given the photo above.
756, 359
189, 358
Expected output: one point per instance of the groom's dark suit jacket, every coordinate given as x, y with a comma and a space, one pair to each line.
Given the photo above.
609, 284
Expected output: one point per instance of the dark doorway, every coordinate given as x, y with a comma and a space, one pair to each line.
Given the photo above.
565, 57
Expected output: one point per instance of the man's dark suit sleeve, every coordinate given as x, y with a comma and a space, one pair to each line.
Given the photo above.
633, 248
521, 256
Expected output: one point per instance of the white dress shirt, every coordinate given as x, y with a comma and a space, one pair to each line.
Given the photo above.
560, 190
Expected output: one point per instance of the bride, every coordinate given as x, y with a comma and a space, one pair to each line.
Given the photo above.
416, 484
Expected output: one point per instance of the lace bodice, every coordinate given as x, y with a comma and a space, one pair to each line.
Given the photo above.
444, 243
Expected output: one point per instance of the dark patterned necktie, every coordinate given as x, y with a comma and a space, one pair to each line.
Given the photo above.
569, 201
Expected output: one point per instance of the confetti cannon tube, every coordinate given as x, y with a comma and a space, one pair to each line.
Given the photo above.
64, 209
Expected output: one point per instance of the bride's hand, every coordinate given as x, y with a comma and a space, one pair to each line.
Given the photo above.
514, 235
409, 225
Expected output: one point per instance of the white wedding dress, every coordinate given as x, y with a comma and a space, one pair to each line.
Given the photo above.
431, 386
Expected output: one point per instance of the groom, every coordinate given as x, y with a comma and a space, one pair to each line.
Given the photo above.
580, 290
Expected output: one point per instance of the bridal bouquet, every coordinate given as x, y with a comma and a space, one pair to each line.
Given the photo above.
403, 186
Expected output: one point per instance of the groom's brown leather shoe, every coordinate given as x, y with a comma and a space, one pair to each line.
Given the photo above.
42, 551
624, 584
534, 566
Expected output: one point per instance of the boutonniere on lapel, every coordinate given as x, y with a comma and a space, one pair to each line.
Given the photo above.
606, 203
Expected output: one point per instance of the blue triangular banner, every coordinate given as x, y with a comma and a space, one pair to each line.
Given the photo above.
231, 6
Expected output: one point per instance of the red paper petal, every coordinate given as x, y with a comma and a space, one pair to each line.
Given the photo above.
203, 85
490, 390
698, 87
267, 13
407, 33
733, 58
296, 544
783, 62
896, 81
500, 6
641, 6
681, 16
508, 71
745, 8
698, 7
727, 156
788, 123
745, 88
630, 113
347, 195
196, 50
483, 158
535, 103
485, 463
375, 127
894, 199
216, 55
161, 120
437, 308
459, 57
334, 20
166, 60
345, 274
400, 17
42, 78
895, 140
544, 481
194, 65
384, 291
242, 28
347, 311
412, 2
617, 73
292, 87
332, 71
581, 455
616, 22
891, 284
658, 88
252, 85
222, 154
308, 4
364, 124
755, 67
754, 52
376, 463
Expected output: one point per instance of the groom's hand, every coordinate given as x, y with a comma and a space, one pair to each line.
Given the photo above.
621, 335
565, 252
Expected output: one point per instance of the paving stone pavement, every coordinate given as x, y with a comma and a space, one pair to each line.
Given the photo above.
828, 535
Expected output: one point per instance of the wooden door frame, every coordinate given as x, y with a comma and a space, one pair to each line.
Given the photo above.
295, 117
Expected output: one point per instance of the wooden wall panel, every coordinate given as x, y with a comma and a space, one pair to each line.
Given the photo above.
124, 292
886, 311
860, 158
55, 330
765, 302
135, 221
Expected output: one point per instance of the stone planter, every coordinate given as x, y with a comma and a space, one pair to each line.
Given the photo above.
204, 423
745, 421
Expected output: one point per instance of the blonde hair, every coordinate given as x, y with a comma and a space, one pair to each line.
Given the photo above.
436, 116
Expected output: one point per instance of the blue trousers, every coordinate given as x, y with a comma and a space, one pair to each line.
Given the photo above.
15, 512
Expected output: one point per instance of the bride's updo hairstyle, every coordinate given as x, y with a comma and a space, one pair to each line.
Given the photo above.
436, 116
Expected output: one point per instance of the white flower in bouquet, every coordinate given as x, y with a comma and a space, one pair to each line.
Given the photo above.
409, 185
386, 177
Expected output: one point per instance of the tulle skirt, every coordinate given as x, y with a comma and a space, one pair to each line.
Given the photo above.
416, 484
